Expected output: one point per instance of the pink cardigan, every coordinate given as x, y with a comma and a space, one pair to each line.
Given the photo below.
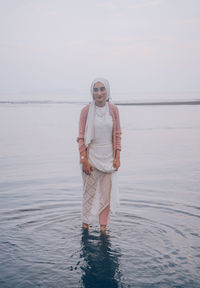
116, 128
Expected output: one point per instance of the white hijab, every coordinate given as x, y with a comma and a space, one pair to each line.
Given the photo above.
89, 127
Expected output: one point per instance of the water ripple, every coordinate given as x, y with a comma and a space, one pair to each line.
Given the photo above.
147, 243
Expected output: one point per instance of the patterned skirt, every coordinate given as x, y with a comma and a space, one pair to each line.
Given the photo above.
96, 194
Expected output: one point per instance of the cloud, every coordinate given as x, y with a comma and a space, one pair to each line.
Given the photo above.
146, 3
107, 5
128, 40
51, 12
128, 3
22, 46
192, 20
72, 43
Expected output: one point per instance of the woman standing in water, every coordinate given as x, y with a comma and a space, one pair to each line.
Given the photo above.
99, 146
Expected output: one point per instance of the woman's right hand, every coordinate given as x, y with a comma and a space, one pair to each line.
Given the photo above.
86, 166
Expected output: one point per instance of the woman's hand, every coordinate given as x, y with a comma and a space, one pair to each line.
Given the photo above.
86, 167
116, 163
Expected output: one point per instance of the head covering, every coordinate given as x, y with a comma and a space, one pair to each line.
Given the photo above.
104, 82
89, 127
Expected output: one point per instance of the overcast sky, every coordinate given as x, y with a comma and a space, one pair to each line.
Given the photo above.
138, 45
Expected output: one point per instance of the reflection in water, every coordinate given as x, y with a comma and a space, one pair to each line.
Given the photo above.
101, 262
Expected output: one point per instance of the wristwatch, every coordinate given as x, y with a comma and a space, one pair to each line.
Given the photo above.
82, 157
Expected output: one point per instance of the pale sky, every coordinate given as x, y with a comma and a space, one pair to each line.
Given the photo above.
138, 45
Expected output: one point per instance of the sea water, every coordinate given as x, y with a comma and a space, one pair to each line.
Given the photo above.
153, 240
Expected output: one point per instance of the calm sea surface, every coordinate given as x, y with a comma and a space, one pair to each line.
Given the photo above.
153, 241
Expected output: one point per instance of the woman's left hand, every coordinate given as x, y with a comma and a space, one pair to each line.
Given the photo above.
116, 163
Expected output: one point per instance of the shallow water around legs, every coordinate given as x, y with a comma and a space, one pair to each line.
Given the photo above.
153, 241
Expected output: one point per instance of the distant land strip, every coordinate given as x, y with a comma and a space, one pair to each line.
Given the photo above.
191, 102
150, 103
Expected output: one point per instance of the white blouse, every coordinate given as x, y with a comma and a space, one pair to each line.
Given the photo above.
101, 148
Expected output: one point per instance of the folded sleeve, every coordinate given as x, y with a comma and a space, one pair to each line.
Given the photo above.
118, 130
82, 123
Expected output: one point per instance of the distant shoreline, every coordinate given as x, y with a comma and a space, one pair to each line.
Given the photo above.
151, 103
190, 102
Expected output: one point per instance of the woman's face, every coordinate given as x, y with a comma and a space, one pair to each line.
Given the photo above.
99, 94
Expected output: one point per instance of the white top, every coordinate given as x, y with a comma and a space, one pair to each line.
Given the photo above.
101, 148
